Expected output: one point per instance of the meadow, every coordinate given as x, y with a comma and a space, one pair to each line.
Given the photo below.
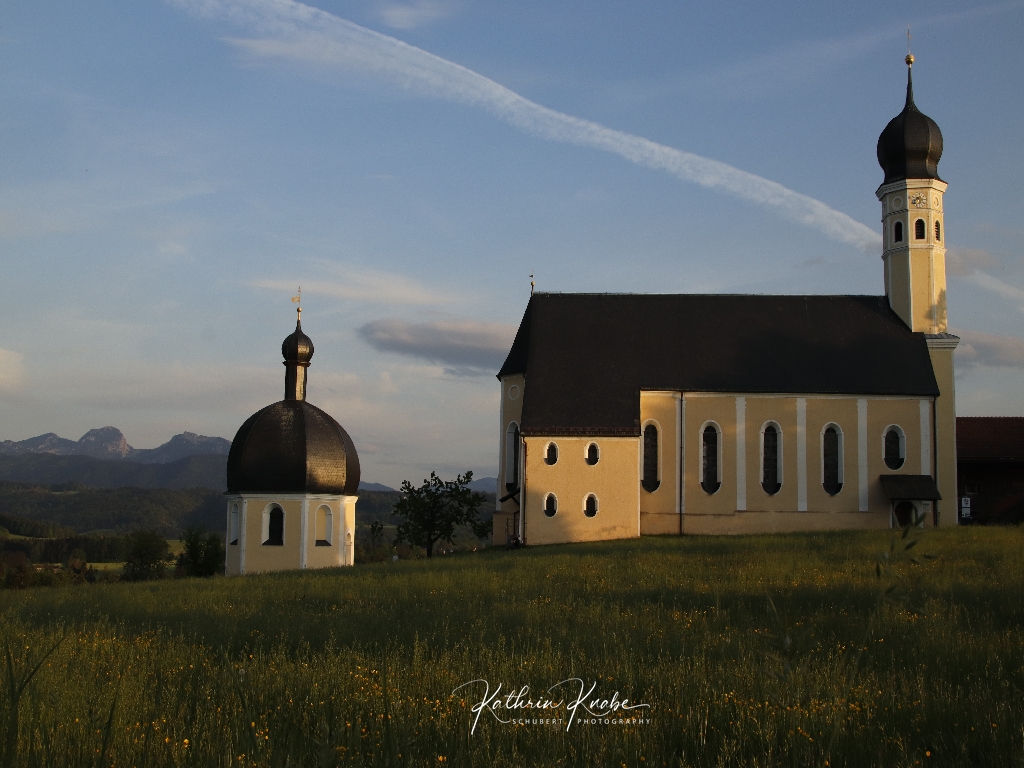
786, 650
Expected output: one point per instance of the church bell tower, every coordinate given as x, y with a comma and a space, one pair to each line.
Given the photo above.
913, 230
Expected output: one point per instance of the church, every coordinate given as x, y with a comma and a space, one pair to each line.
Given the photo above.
631, 414
293, 475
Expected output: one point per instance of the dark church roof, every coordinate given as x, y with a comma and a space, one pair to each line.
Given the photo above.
292, 446
911, 144
587, 356
990, 438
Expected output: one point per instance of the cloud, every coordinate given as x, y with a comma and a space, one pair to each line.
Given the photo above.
12, 371
989, 349
968, 262
362, 284
465, 346
290, 30
414, 14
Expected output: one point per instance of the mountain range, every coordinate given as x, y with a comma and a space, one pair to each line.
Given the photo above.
110, 443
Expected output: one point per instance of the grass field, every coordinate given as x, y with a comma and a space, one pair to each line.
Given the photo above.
358, 666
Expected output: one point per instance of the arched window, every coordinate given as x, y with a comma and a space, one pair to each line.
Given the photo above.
895, 447
233, 525
593, 454
938, 232
551, 454
771, 475
897, 232
650, 480
273, 526
550, 505
590, 506
324, 526
831, 460
512, 457
919, 229
709, 460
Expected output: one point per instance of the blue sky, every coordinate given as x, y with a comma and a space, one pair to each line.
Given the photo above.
172, 171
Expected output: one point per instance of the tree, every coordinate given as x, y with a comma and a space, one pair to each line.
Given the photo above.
147, 555
436, 509
203, 553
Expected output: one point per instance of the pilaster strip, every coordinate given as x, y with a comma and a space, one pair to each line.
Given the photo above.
741, 453
801, 454
862, 453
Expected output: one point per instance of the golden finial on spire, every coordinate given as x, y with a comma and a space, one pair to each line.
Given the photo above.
298, 300
910, 56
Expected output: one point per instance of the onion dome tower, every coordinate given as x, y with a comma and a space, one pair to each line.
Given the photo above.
914, 253
913, 236
292, 476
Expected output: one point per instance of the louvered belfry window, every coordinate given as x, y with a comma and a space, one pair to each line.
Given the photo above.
938, 231
919, 229
893, 454
709, 461
650, 479
770, 472
830, 446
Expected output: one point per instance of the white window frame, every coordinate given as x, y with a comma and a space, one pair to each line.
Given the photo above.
842, 455
903, 446
266, 523
586, 453
700, 453
778, 455
233, 524
544, 508
661, 454
548, 448
597, 505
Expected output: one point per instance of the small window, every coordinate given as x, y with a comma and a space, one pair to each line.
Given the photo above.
897, 232
770, 475
919, 229
512, 457
233, 525
593, 454
938, 232
590, 506
273, 521
551, 455
324, 526
895, 448
832, 480
550, 505
650, 481
709, 460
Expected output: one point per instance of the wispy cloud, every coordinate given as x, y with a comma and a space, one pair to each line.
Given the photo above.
290, 30
968, 262
463, 346
414, 14
989, 349
361, 284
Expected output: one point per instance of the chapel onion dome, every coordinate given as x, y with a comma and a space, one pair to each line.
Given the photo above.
911, 144
292, 446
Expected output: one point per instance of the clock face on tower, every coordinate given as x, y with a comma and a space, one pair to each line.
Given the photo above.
919, 201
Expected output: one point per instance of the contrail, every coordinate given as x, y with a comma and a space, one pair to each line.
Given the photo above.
291, 30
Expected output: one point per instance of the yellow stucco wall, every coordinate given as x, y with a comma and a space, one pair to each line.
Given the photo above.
697, 411
659, 510
614, 480
512, 391
250, 555
945, 435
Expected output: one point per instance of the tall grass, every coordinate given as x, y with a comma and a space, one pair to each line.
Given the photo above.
357, 666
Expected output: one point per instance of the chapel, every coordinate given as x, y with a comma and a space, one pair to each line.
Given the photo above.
293, 476
632, 414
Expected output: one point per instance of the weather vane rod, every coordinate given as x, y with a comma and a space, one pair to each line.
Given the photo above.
532, 284
298, 300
